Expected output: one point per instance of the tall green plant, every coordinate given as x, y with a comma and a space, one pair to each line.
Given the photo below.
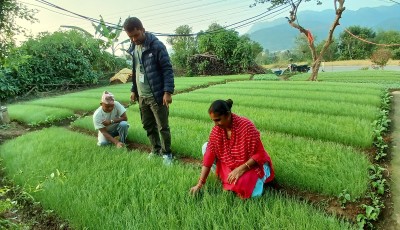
237, 52
106, 36
10, 11
183, 46
110, 33
351, 47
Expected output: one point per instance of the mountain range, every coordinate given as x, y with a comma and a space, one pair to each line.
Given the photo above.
279, 35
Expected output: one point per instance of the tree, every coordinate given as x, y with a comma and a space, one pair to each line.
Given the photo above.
302, 49
10, 11
331, 54
292, 20
183, 46
391, 38
218, 41
355, 49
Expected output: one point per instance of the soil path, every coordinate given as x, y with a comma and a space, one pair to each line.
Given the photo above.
395, 163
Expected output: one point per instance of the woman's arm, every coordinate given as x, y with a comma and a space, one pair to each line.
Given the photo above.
202, 180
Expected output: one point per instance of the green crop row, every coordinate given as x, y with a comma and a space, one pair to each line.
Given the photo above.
317, 106
381, 77
111, 188
299, 162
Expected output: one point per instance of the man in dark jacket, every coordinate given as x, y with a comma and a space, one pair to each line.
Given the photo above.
152, 85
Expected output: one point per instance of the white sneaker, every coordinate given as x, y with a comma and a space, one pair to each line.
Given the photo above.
167, 159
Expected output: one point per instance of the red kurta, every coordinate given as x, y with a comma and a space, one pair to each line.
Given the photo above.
245, 143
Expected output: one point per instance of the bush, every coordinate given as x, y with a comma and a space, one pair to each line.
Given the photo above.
55, 61
381, 57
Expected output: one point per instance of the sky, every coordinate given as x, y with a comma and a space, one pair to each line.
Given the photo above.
164, 16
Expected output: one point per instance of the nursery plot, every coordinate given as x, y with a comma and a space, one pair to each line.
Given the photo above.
188, 134
210, 79
363, 76
96, 187
76, 104
283, 92
342, 129
122, 96
112, 88
183, 83
36, 114
270, 77
330, 107
318, 166
299, 162
355, 88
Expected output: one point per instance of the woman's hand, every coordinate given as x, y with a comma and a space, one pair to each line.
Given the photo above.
234, 176
119, 144
195, 189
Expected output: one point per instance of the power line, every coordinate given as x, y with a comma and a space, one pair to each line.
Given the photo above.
241, 23
26, 3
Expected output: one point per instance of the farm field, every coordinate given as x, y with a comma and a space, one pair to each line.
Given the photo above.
321, 137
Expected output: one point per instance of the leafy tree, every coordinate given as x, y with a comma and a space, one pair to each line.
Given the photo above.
331, 53
240, 57
183, 46
381, 56
264, 58
355, 49
292, 20
218, 41
390, 37
237, 52
302, 49
10, 11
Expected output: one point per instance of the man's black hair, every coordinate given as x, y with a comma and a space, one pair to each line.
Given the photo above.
131, 23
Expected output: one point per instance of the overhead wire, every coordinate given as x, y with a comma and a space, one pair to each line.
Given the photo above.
241, 23
26, 3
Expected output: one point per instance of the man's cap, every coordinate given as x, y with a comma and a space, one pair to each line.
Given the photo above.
107, 98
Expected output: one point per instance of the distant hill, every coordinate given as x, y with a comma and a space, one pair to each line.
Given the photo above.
279, 35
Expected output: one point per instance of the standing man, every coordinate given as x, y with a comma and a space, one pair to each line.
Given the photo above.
110, 120
152, 85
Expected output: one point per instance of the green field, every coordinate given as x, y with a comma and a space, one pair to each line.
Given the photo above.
318, 134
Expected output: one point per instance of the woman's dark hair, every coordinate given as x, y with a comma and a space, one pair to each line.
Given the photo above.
131, 23
221, 107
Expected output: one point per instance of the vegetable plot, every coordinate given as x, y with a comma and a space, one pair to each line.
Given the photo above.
110, 188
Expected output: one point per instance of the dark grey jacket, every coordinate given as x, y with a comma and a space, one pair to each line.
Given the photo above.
157, 67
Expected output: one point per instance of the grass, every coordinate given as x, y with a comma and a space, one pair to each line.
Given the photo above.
117, 190
36, 114
315, 159
89, 100
318, 166
361, 63
315, 105
312, 130
341, 129
382, 77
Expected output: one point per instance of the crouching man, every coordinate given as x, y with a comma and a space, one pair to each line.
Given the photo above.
111, 121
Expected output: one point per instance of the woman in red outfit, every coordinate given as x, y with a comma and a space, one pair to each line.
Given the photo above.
235, 147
